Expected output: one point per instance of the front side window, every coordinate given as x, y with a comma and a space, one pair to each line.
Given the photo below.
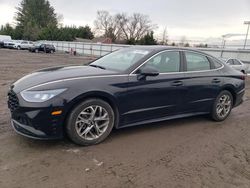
230, 62
196, 62
165, 62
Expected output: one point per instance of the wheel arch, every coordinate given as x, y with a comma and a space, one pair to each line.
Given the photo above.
231, 89
107, 97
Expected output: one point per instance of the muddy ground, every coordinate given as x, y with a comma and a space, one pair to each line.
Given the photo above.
191, 152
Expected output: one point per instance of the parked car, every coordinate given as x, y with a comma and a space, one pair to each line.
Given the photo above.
128, 87
1, 44
9, 44
40, 47
236, 64
4, 38
23, 45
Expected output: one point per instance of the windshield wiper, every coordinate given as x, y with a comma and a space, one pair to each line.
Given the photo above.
97, 66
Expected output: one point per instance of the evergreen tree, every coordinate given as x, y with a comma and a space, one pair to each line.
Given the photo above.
33, 16
148, 39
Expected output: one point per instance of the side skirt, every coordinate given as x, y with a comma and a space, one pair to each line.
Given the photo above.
163, 119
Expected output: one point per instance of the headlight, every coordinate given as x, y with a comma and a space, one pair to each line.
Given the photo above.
40, 96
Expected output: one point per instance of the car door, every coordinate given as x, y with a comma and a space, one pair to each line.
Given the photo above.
154, 97
42, 47
203, 81
24, 45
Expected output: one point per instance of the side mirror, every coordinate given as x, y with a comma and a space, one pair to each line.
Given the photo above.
147, 71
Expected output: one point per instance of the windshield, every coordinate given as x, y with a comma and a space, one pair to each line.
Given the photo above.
120, 60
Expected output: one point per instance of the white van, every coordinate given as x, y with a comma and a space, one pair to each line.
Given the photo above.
4, 38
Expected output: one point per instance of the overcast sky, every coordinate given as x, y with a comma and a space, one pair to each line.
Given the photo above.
190, 18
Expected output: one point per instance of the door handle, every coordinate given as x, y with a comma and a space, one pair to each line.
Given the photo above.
216, 81
177, 83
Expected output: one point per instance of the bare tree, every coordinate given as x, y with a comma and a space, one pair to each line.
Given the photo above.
135, 26
122, 26
164, 37
60, 20
107, 25
183, 40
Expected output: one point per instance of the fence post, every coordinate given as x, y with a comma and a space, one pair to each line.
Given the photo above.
100, 49
221, 55
91, 48
83, 49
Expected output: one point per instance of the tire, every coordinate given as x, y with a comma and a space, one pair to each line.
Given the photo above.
82, 121
19, 48
221, 111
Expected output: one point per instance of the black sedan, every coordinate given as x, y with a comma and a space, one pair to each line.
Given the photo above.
47, 48
129, 87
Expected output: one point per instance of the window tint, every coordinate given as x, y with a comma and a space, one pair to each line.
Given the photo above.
197, 62
236, 62
165, 62
230, 62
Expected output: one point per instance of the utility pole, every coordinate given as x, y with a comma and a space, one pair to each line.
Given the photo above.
164, 37
246, 23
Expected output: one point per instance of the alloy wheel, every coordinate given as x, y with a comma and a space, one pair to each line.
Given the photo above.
92, 122
224, 106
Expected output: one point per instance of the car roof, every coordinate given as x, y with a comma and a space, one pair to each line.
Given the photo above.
159, 48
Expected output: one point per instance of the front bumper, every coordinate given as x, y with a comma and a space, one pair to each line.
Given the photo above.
37, 123
36, 120
28, 131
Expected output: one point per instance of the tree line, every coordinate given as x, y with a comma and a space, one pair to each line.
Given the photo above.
37, 20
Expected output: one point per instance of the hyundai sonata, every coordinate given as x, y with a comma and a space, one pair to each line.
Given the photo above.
128, 87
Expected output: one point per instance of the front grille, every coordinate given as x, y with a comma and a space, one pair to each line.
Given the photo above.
13, 102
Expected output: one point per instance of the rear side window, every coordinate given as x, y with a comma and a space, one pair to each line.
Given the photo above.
236, 62
197, 62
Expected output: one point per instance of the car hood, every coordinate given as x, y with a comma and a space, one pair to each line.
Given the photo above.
57, 73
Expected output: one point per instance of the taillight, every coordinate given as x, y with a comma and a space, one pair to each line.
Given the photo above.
243, 77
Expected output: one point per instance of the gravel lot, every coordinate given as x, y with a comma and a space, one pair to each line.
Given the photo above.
191, 152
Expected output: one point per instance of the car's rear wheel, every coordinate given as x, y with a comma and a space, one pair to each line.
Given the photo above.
222, 106
90, 122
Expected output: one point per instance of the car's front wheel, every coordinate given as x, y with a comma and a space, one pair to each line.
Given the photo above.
222, 106
90, 122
